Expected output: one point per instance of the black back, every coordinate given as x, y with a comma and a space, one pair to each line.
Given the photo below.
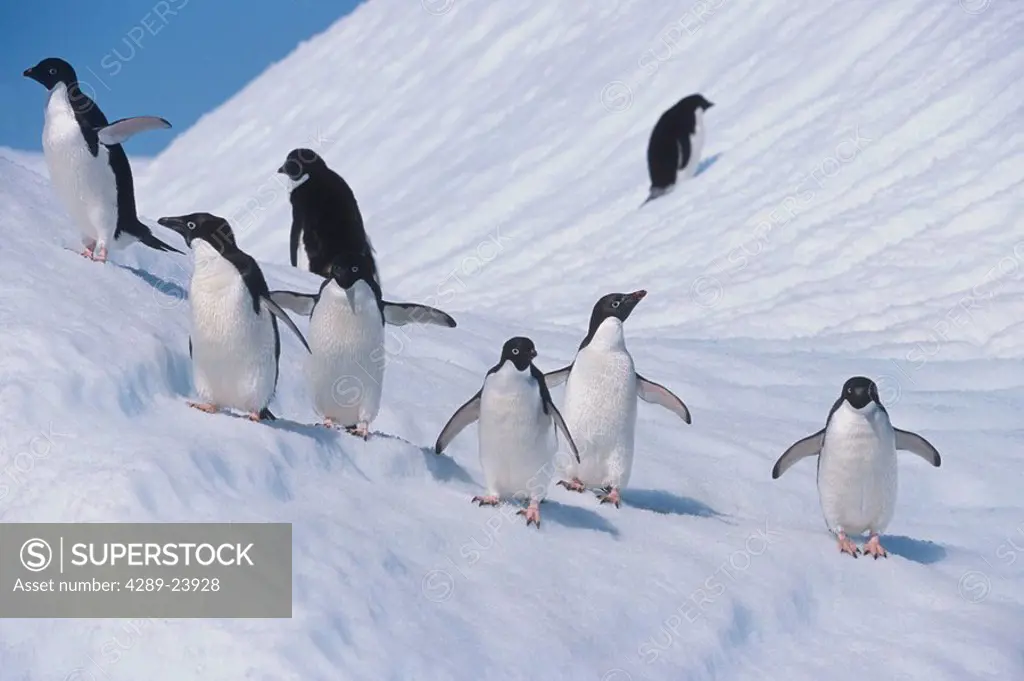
324, 211
670, 135
53, 70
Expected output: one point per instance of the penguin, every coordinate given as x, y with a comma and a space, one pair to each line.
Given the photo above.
234, 342
856, 452
345, 371
600, 403
517, 432
676, 143
88, 167
325, 215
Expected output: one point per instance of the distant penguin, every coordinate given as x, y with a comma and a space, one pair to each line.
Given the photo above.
601, 399
517, 431
88, 168
856, 452
676, 143
325, 215
234, 342
346, 336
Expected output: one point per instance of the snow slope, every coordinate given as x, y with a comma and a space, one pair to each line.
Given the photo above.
859, 213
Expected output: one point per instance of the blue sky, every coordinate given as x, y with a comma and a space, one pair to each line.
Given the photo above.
173, 58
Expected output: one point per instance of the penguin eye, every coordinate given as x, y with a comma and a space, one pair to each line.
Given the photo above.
190, 224
615, 303
355, 268
515, 351
53, 72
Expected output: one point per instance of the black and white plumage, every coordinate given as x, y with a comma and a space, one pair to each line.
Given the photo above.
234, 342
346, 335
88, 167
517, 429
600, 405
326, 220
676, 143
857, 467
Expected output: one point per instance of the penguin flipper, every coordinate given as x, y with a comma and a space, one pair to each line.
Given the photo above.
915, 444
400, 314
299, 303
808, 446
146, 237
557, 377
649, 391
120, 130
466, 414
276, 310
556, 416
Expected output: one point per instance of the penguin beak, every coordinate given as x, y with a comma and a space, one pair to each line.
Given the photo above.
27, 73
175, 224
637, 296
282, 168
533, 354
710, 104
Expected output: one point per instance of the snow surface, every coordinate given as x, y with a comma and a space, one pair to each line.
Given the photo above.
859, 212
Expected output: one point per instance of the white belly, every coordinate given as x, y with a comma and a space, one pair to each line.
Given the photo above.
301, 258
517, 439
84, 183
857, 472
696, 148
600, 412
233, 350
346, 369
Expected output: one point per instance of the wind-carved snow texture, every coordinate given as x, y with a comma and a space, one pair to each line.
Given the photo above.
858, 212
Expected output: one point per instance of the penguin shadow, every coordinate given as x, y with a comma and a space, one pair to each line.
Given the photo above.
443, 468
915, 550
164, 286
667, 503
575, 517
706, 163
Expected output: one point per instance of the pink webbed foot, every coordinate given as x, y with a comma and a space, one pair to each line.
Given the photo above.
610, 495
362, 429
327, 423
208, 408
489, 500
874, 548
100, 254
575, 485
847, 546
532, 513
86, 253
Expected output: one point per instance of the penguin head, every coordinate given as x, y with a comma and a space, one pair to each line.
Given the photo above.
520, 351
860, 392
212, 229
349, 267
301, 162
615, 306
52, 71
702, 103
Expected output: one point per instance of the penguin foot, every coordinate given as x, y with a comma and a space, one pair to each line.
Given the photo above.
490, 500
86, 253
532, 513
574, 486
361, 429
100, 254
847, 546
208, 408
874, 548
327, 423
610, 495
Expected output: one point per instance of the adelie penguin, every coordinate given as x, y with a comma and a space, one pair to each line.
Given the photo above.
88, 167
346, 334
234, 342
676, 143
325, 215
602, 387
517, 431
856, 452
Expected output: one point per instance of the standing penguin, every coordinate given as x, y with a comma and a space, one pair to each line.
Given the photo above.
88, 168
234, 343
325, 215
856, 452
346, 335
517, 438
600, 400
676, 144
